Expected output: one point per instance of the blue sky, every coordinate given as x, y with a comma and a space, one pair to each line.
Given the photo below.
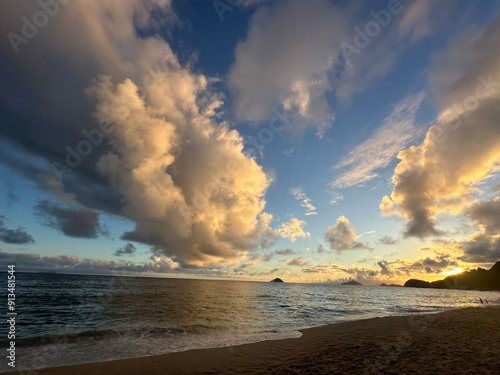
361, 132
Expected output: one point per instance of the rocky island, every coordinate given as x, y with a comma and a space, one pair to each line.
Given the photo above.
277, 280
352, 282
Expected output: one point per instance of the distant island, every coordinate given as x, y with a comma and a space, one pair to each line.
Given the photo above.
384, 284
277, 280
478, 279
352, 282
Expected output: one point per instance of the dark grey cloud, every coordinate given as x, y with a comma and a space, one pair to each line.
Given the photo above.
481, 249
72, 222
486, 215
342, 236
385, 268
484, 246
286, 251
387, 240
435, 265
17, 236
128, 249
44, 109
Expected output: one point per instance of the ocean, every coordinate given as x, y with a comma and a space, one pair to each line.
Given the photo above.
70, 319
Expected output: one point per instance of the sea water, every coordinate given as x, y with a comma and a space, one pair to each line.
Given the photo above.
70, 319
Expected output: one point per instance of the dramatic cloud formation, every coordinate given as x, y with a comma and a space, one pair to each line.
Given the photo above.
293, 229
128, 249
304, 201
162, 161
17, 236
342, 236
117, 126
185, 181
381, 148
463, 149
72, 222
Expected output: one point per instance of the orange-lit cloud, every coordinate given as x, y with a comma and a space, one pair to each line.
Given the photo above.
185, 181
443, 175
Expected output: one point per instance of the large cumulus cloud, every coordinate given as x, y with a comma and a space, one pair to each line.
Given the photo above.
462, 150
184, 179
163, 162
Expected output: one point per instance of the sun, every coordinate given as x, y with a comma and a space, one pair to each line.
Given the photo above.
453, 271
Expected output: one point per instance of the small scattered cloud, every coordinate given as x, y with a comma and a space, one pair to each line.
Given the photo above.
247, 265
281, 252
267, 257
17, 236
297, 262
304, 201
342, 236
293, 229
387, 240
128, 249
336, 197
369, 232
286, 251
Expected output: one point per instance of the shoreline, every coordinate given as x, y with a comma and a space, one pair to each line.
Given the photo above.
445, 342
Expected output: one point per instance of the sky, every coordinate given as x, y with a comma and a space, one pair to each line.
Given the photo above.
315, 141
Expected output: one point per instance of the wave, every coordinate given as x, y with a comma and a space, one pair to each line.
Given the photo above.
109, 334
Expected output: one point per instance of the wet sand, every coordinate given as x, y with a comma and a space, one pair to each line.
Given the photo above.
461, 341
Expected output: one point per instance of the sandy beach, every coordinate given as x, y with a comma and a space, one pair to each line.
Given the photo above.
460, 341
